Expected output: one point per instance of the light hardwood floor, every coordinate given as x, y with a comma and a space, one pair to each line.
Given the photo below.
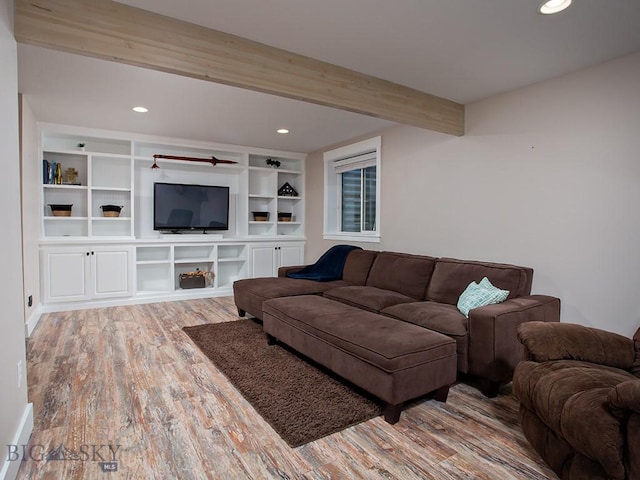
129, 376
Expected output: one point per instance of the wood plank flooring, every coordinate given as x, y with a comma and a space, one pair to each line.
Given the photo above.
129, 379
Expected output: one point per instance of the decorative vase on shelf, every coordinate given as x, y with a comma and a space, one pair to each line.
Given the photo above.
57, 177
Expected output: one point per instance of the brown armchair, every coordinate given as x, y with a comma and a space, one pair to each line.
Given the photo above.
579, 393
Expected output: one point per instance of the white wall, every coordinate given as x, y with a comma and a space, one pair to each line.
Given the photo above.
31, 172
547, 176
13, 401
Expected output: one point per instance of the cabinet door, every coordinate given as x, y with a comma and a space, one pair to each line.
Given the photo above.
291, 255
263, 261
65, 275
112, 272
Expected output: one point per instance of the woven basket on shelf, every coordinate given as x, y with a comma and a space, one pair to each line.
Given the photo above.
61, 213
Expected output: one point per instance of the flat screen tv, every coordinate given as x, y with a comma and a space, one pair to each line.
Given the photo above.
179, 207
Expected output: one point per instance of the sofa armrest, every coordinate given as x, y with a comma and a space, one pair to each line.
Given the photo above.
494, 350
624, 398
282, 271
567, 341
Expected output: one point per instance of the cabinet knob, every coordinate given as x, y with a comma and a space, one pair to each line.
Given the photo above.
87, 254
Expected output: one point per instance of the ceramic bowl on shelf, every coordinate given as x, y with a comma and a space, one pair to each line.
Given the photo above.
260, 216
111, 210
61, 209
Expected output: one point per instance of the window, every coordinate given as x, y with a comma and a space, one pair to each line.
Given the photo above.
352, 192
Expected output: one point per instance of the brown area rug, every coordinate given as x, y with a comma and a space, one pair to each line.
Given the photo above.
299, 400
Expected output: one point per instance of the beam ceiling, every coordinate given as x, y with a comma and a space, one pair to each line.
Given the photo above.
117, 32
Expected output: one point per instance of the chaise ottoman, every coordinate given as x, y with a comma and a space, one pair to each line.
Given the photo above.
394, 360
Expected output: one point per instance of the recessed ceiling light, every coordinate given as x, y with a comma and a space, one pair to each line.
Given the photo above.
140, 109
282, 130
553, 6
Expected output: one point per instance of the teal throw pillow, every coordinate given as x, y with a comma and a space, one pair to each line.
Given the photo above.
479, 295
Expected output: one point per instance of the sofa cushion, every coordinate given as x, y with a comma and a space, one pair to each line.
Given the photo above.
357, 267
402, 273
439, 317
545, 341
480, 295
451, 277
625, 397
564, 393
368, 298
249, 293
601, 437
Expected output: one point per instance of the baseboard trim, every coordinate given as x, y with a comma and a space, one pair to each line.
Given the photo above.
10, 468
190, 294
33, 320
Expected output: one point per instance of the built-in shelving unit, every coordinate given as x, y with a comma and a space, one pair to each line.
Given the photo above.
114, 168
104, 174
264, 184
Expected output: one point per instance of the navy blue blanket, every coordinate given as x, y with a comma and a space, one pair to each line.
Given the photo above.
328, 267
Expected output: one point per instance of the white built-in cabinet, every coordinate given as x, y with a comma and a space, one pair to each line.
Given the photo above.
86, 273
88, 257
267, 258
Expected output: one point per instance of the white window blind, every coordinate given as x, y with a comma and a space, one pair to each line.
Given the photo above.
356, 162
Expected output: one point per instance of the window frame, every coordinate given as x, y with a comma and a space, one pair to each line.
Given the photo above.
333, 191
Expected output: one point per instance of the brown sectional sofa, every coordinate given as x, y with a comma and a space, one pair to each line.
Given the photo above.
579, 395
424, 291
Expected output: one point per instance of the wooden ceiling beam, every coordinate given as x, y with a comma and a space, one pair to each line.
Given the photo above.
117, 32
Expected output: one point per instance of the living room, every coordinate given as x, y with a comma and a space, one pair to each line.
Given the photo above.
544, 176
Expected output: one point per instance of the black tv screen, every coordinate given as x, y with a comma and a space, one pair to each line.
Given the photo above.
190, 207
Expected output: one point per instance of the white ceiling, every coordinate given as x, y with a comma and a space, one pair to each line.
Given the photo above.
464, 50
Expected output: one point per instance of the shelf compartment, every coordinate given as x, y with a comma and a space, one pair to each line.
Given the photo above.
111, 228
231, 252
293, 179
110, 172
69, 142
65, 227
186, 253
262, 228
192, 267
101, 197
74, 196
153, 253
260, 161
68, 160
228, 273
153, 277
262, 183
